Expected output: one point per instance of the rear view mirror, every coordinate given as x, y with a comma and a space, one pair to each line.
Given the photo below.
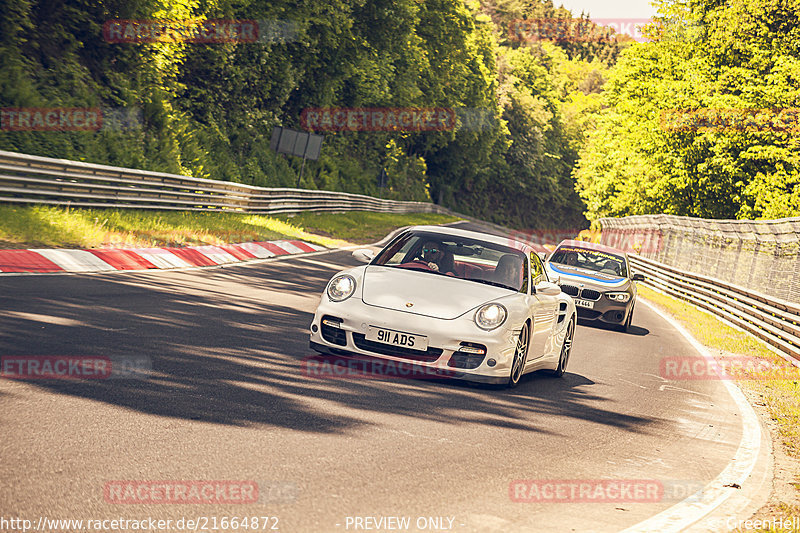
365, 255
464, 250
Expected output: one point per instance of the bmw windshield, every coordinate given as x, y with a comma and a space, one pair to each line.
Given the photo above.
594, 260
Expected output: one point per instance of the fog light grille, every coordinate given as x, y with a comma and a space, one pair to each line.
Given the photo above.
331, 330
468, 356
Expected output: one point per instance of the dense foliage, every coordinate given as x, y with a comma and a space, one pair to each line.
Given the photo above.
208, 110
737, 65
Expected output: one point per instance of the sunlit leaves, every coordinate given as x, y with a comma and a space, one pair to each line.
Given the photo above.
737, 57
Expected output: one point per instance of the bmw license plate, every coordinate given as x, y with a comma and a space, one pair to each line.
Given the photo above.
584, 303
397, 338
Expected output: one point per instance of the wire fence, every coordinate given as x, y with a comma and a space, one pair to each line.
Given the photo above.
763, 255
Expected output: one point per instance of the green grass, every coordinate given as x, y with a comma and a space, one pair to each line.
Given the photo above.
55, 227
780, 397
707, 329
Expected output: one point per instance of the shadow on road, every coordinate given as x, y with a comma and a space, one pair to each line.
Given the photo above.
633, 329
227, 345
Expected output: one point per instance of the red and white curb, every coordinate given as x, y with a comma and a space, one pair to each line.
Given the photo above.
110, 259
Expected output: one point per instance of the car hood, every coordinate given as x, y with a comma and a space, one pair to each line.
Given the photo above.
574, 275
430, 294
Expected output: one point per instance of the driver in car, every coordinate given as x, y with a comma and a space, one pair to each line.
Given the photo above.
434, 255
571, 259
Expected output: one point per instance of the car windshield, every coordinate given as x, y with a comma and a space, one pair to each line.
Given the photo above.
596, 260
460, 257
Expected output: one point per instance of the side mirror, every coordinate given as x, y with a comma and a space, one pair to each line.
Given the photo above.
638, 277
542, 255
547, 288
365, 255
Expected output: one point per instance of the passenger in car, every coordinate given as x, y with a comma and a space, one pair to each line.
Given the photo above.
509, 271
612, 266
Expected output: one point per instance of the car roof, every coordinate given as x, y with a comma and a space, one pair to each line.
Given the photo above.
488, 237
591, 246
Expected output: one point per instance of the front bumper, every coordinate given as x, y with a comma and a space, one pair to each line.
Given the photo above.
445, 338
607, 311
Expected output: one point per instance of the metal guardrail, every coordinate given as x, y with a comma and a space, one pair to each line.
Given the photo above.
42, 180
775, 321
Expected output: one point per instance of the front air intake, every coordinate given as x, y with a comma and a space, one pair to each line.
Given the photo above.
331, 330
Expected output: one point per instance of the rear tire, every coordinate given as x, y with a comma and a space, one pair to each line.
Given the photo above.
520, 356
566, 348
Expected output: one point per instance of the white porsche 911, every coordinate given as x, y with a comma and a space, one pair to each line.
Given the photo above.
460, 303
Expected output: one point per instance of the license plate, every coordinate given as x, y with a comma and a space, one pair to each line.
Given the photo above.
584, 303
397, 338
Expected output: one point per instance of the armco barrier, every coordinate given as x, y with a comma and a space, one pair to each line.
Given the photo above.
772, 320
744, 271
42, 180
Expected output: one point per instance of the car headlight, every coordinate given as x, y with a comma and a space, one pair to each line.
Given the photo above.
618, 296
491, 316
341, 288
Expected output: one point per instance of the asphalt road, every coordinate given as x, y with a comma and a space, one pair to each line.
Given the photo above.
227, 399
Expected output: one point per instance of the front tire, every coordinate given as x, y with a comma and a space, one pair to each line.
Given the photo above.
627, 325
566, 348
520, 356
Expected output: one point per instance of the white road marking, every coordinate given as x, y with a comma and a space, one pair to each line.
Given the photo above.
694, 508
632, 383
671, 387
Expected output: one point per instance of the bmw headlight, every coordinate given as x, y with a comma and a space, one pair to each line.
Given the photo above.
618, 296
490, 316
341, 288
